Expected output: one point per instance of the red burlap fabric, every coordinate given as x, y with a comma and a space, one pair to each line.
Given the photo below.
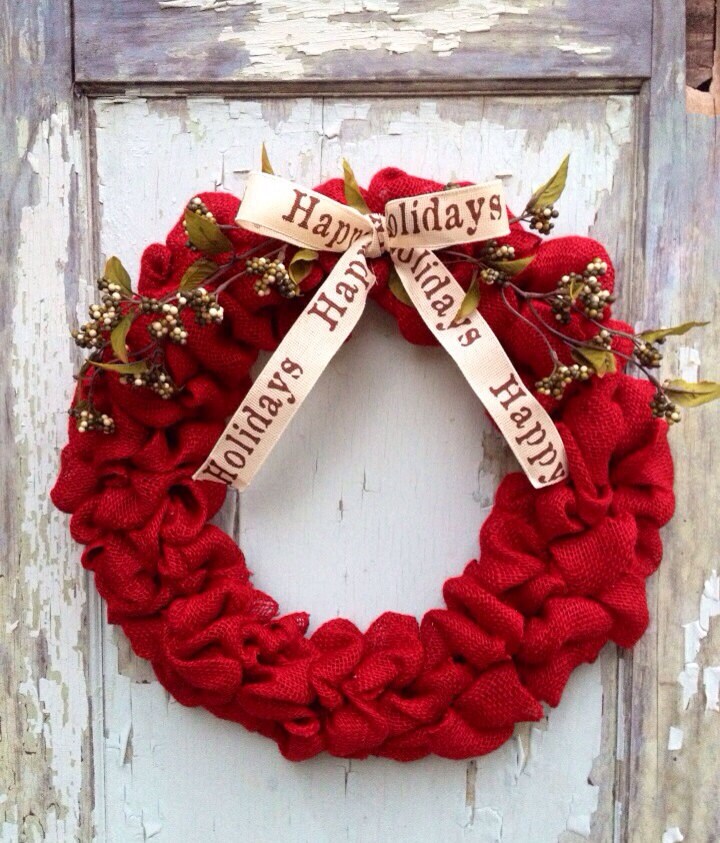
561, 570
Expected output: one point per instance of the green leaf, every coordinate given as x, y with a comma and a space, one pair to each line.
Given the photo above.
123, 368
552, 190
206, 235
688, 394
118, 335
116, 273
513, 267
301, 264
660, 333
353, 197
602, 361
576, 287
265, 162
195, 274
470, 301
395, 285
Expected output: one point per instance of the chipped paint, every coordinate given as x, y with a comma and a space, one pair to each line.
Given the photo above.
278, 36
711, 683
582, 49
54, 701
524, 784
688, 362
689, 678
675, 739
672, 835
695, 633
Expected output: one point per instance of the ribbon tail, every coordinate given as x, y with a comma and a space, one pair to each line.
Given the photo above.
528, 429
292, 371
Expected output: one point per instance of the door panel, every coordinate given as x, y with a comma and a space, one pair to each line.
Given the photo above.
100, 149
202, 41
364, 505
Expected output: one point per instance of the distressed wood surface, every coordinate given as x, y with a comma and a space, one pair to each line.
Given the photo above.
338, 520
46, 784
335, 40
674, 722
90, 745
700, 22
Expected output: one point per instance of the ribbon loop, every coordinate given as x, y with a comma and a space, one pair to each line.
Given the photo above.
378, 245
408, 231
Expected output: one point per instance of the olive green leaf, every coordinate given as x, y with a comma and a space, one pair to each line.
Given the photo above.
353, 197
265, 162
395, 285
301, 264
206, 235
118, 335
576, 287
688, 394
470, 301
136, 368
660, 333
551, 191
602, 361
513, 267
116, 273
195, 274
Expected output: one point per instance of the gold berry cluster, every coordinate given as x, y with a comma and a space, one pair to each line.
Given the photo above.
272, 273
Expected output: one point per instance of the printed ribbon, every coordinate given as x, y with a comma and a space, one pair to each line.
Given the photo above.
408, 230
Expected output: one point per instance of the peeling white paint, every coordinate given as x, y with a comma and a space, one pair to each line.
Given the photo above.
689, 678
277, 36
672, 835
541, 786
688, 362
55, 703
583, 49
580, 824
711, 683
695, 632
710, 600
675, 738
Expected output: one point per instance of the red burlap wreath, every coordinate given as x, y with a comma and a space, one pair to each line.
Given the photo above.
561, 570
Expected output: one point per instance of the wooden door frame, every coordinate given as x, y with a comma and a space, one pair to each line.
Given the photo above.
39, 648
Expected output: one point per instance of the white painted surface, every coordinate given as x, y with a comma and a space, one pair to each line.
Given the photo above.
341, 518
54, 705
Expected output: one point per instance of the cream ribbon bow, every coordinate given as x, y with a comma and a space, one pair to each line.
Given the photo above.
408, 230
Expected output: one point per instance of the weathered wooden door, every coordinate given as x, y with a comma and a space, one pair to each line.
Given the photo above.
114, 114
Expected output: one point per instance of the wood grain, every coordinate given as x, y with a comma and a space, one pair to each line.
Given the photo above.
91, 747
674, 790
225, 40
46, 790
700, 19
342, 517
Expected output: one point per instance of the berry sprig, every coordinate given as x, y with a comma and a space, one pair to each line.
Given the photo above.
272, 273
111, 319
540, 212
575, 294
583, 295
